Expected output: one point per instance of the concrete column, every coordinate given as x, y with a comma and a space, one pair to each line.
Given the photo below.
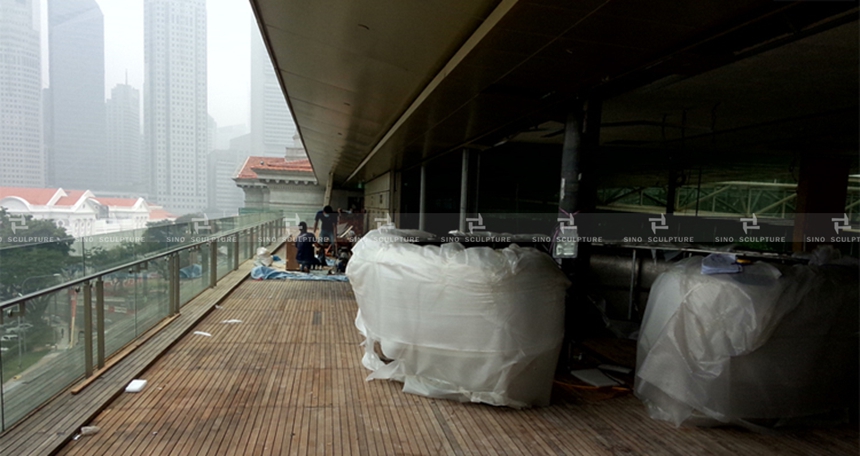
822, 189
422, 207
464, 191
328, 187
571, 155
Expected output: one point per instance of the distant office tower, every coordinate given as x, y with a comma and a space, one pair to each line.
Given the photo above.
272, 126
22, 159
125, 160
225, 198
176, 121
226, 134
212, 133
77, 77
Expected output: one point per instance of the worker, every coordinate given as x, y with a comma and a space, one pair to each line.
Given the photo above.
326, 220
305, 248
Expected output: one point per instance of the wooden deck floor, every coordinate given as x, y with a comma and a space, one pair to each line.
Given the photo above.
288, 380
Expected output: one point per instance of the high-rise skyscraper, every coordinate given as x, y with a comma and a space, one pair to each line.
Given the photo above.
272, 127
176, 120
22, 159
124, 160
225, 198
77, 78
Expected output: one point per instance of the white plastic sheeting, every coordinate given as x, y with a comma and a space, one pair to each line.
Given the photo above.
476, 325
766, 343
263, 257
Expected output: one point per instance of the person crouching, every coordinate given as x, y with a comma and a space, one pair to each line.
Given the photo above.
305, 248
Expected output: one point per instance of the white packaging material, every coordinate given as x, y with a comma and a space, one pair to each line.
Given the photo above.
765, 343
594, 377
476, 324
615, 368
263, 257
135, 386
90, 430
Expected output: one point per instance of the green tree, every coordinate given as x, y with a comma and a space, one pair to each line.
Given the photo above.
34, 254
31, 251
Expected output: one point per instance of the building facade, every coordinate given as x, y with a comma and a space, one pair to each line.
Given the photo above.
80, 212
125, 158
272, 127
176, 120
274, 183
77, 79
22, 158
225, 198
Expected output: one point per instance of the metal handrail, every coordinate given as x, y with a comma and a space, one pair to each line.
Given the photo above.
94, 302
18, 300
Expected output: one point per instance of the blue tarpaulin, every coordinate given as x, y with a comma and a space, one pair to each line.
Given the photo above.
191, 272
266, 273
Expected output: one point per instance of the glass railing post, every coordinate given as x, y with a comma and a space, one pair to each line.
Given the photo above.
246, 244
100, 322
171, 283
88, 329
213, 263
2, 397
236, 250
177, 300
139, 296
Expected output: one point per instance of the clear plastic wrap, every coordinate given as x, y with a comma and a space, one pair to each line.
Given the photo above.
763, 344
477, 324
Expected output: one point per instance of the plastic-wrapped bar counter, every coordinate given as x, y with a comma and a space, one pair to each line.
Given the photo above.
469, 324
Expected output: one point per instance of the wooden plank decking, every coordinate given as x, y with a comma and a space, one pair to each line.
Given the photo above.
288, 380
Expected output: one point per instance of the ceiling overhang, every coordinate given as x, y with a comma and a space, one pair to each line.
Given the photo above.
387, 84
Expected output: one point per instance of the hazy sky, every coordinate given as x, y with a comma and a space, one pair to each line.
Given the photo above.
229, 53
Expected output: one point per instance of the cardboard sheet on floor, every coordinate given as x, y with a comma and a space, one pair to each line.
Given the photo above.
476, 324
771, 342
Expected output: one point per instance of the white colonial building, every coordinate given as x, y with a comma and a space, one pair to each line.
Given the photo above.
80, 212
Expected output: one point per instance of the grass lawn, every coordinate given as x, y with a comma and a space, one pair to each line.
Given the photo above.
10, 361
